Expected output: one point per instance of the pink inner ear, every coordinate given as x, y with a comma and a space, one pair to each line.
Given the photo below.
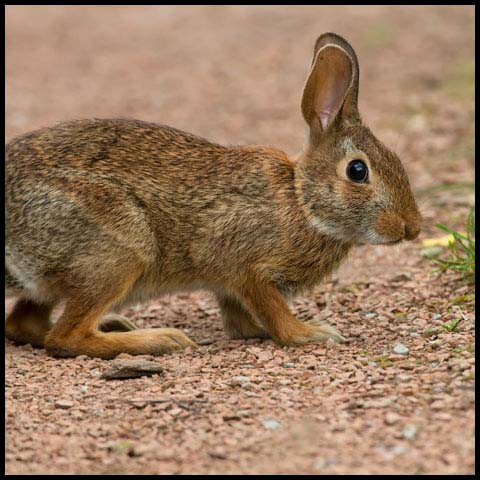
333, 79
324, 116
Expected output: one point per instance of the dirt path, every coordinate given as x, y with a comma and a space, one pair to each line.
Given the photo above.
234, 75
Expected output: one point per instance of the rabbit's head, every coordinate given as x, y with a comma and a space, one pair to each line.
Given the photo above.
350, 185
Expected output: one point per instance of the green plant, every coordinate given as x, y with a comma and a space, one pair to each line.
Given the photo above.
462, 249
468, 298
452, 325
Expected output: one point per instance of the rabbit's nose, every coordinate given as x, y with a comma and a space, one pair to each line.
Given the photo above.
412, 231
412, 227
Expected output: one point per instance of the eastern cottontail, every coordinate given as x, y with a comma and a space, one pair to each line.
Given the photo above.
104, 213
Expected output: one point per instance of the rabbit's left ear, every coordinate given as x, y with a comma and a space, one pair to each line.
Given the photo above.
331, 89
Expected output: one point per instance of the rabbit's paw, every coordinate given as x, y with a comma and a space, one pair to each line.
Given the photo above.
151, 341
319, 332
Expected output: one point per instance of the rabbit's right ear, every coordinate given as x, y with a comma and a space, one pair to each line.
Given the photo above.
331, 89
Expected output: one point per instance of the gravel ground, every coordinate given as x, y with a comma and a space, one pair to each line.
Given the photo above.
399, 396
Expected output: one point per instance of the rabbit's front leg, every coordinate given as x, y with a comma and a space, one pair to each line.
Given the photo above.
270, 308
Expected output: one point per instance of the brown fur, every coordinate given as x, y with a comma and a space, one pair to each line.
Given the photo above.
104, 213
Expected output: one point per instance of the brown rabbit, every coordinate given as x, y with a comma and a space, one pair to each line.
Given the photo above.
104, 213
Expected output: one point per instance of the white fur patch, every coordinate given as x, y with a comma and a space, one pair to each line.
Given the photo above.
326, 229
21, 275
347, 144
374, 238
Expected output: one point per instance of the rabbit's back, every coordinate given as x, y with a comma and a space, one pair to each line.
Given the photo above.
110, 148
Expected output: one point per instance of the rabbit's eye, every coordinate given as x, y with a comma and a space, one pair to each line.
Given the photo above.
357, 171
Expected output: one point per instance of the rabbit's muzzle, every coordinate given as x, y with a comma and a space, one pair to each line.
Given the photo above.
392, 227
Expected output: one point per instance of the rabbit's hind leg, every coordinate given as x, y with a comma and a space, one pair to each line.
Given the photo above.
237, 322
77, 333
28, 322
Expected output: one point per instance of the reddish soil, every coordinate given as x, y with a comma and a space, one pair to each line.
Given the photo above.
235, 75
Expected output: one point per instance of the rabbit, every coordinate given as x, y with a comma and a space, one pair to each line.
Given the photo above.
104, 213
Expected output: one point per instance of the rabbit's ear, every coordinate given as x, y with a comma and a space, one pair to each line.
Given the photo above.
331, 89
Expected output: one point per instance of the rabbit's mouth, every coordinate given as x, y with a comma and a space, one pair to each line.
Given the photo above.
375, 238
392, 242
391, 228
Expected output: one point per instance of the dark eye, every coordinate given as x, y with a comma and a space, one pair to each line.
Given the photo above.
357, 171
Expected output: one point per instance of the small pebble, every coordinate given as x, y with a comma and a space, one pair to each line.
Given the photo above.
123, 369
410, 432
175, 411
64, 404
219, 453
400, 349
391, 418
431, 252
443, 416
271, 424
401, 277
438, 405
320, 463
240, 380
430, 332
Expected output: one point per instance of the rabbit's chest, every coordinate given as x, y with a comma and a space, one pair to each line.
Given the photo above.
308, 268
291, 284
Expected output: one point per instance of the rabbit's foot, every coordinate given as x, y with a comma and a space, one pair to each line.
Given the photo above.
28, 322
270, 308
116, 323
318, 332
152, 341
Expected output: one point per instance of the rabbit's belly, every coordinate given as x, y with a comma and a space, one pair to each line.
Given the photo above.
291, 288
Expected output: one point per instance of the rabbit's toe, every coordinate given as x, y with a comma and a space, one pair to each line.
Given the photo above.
178, 337
319, 332
324, 332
